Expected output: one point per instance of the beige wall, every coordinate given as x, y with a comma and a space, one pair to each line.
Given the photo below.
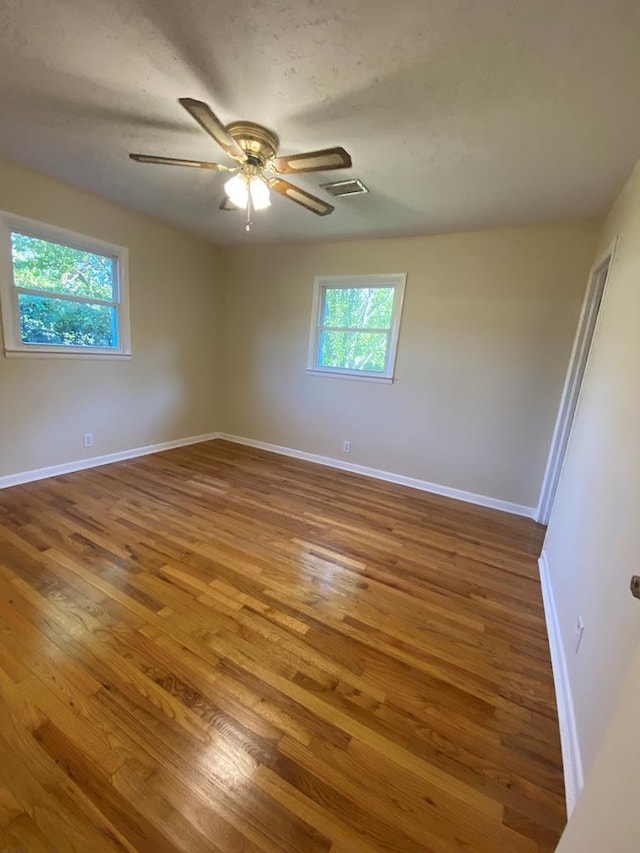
484, 344
168, 390
593, 541
606, 816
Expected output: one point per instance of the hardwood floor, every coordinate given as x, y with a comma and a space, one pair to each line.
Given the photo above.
220, 649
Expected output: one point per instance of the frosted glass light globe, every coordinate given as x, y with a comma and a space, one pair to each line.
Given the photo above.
260, 193
237, 190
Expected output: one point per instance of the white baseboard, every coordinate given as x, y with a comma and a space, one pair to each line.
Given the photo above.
400, 479
95, 461
571, 757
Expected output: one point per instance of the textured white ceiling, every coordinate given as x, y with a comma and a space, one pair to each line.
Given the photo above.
458, 114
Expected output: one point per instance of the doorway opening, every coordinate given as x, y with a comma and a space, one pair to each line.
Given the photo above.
573, 383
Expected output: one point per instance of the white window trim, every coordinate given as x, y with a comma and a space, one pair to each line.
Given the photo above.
322, 283
13, 345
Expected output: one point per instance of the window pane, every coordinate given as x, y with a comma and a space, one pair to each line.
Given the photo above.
41, 265
60, 322
358, 307
353, 350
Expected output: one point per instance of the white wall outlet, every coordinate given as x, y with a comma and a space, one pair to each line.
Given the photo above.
578, 635
87, 439
346, 446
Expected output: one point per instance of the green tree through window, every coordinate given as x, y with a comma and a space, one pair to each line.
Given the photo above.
356, 324
65, 295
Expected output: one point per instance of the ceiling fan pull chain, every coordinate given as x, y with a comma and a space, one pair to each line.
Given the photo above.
247, 227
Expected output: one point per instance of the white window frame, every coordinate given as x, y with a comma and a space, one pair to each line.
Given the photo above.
13, 344
327, 282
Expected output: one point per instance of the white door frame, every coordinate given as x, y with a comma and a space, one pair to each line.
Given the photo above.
587, 325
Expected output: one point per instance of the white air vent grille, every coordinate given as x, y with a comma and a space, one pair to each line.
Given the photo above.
351, 187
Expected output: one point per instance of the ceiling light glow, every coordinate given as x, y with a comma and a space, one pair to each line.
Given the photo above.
240, 186
237, 190
260, 193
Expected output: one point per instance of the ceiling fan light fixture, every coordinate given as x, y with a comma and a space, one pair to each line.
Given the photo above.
237, 190
260, 193
239, 187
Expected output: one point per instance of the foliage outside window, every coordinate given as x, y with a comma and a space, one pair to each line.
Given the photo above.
63, 293
355, 325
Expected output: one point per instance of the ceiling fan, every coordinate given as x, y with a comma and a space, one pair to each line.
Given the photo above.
254, 149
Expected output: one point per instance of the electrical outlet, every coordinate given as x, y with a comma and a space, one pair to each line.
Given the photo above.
578, 635
346, 446
87, 439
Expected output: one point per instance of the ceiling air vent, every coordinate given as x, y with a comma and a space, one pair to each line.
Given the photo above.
351, 187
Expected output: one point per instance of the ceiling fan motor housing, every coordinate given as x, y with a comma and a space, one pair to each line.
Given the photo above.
259, 143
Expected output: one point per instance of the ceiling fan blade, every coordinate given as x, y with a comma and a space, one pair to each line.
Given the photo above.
316, 205
227, 204
172, 161
213, 126
313, 161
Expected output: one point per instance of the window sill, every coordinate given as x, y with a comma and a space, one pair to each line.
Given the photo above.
336, 374
78, 354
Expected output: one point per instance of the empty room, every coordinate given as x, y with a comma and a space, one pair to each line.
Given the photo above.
319, 426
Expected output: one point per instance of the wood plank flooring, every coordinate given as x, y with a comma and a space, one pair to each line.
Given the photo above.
220, 649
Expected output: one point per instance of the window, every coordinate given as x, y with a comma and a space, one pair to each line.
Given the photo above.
355, 324
61, 293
